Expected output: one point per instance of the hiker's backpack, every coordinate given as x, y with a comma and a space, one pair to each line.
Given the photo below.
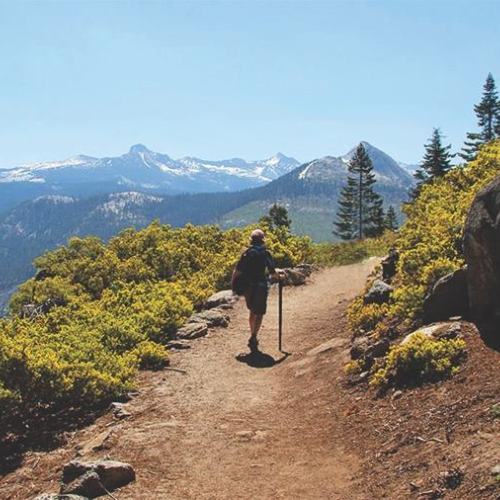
241, 284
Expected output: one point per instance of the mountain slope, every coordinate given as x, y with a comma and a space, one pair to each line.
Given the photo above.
311, 192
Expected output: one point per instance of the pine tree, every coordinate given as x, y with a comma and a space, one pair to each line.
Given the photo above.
374, 216
391, 221
488, 115
277, 217
347, 216
360, 207
436, 162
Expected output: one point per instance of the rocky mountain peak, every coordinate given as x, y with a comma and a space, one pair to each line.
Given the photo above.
139, 148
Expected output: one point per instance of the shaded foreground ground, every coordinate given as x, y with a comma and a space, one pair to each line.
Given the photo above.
220, 429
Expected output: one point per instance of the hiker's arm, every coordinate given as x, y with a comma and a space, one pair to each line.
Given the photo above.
275, 276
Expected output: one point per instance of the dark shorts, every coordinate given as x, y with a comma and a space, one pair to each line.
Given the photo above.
256, 298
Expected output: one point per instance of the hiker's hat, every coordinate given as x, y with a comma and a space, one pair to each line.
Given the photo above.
257, 235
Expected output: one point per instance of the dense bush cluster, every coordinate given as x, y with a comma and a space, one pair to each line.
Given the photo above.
430, 240
430, 247
106, 310
422, 359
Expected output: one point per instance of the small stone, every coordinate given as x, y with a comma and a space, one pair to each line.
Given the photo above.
96, 443
358, 348
179, 345
293, 276
416, 485
245, 434
328, 346
119, 412
192, 331
397, 395
495, 471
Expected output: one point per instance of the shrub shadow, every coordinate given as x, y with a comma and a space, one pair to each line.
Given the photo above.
41, 431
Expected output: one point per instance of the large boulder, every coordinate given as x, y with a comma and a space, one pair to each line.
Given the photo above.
222, 298
441, 330
482, 253
449, 297
294, 276
93, 479
192, 331
211, 317
379, 293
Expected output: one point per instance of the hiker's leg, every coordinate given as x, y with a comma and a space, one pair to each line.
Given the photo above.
251, 321
257, 323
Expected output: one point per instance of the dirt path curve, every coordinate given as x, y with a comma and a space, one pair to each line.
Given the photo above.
226, 430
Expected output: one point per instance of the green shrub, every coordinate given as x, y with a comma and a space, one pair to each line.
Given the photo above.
429, 241
422, 359
363, 317
108, 308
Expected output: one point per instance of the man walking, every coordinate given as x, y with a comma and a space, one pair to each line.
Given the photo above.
251, 269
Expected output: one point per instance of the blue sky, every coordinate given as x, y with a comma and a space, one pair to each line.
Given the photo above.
218, 79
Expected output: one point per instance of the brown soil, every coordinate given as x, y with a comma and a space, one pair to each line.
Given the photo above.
221, 429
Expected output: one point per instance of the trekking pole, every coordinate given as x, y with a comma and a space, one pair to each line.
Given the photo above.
280, 313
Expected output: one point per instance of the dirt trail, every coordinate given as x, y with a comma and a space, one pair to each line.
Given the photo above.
226, 430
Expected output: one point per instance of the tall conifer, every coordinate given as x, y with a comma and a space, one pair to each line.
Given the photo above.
436, 162
488, 120
360, 211
391, 221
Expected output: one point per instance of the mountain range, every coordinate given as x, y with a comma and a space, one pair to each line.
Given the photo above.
140, 169
309, 191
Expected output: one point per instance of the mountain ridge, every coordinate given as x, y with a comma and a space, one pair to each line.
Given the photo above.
310, 193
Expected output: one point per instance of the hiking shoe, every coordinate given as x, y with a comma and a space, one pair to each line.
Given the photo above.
253, 344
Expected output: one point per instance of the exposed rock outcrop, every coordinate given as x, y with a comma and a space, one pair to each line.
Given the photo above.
441, 330
211, 317
379, 293
295, 276
93, 479
449, 297
192, 331
222, 298
482, 253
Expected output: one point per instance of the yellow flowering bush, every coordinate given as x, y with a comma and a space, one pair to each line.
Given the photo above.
363, 317
106, 310
429, 241
422, 359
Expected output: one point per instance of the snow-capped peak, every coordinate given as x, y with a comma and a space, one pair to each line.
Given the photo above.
139, 148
